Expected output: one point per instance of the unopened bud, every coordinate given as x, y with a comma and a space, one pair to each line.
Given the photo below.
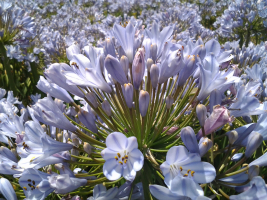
44, 127
109, 47
153, 52
254, 141
128, 94
75, 141
253, 171
232, 136
154, 74
201, 111
143, 102
87, 148
125, 64
60, 137
115, 69
92, 99
88, 119
189, 138
149, 63
138, 68
106, 108
204, 145
169, 101
101, 62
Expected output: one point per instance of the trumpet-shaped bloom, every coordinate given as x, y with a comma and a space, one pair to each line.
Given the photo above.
64, 183
46, 111
180, 188
123, 158
180, 162
101, 193
257, 191
35, 184
125, 37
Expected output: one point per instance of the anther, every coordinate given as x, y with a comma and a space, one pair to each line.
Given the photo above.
116, 157
186, 175
24, 188
121, 162
192, 173
119, 155
181, 168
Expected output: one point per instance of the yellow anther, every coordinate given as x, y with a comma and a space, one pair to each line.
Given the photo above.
32, 159
116, 157
121, 162
186, 175
192, 173
125, 161
119, 155
181, 168
188, 171
122, 158
24, 188
126, 156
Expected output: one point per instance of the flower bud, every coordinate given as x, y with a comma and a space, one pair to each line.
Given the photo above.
88, 119
204, 145
60, 137
189, 138
149, 63
87, 148
254, 141
106, 108
125, 64
128, 94
138, 68
109, 47
74, 152
232, 136
92, 99
143, 102
115, 69
237, 157
154, 74
201, 111
153, 52
169, 101
253, 171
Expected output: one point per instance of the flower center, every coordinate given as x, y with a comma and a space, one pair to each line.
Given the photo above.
31, 185
122, 158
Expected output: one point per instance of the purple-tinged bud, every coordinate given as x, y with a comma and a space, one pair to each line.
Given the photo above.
128, 94
87, 148
189, 138
169, 101
253, 171
219, 117
188, 68
88, 119
106, 107
92, 99
109, 47
204, 145
254, 141
149, 63
153, 52
201, 111
154, 75
125, 64
143, 102
115, 69
138, 68
232, 136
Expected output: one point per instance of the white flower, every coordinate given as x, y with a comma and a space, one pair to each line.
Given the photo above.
123, 158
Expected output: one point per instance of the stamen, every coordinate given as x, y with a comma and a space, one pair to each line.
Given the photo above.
116, 157
24, 188
119, 155
186, 175
125, 161
192, 173
188, 171
181, 168
126, 156
33, 182
121, 162
29, 180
